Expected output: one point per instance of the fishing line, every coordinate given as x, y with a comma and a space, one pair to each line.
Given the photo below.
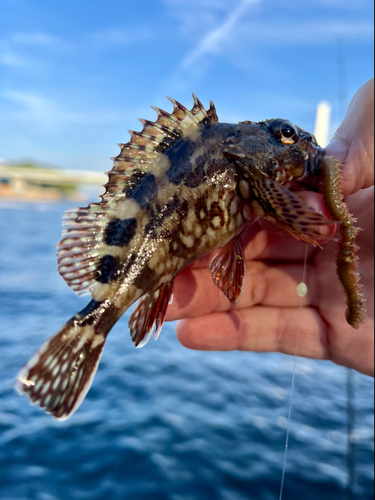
301, 290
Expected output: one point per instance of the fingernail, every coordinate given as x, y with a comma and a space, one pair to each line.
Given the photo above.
337, 148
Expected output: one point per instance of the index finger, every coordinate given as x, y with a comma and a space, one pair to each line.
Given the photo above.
353, 141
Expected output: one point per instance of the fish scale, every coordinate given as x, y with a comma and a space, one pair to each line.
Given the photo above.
182, 187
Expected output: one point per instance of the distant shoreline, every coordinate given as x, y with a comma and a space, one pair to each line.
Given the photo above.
36, 195
28, 183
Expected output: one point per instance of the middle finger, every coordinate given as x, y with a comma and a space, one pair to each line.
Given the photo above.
267, 284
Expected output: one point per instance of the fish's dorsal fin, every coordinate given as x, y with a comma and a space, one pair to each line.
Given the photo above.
84, 257
156, 137
138, 156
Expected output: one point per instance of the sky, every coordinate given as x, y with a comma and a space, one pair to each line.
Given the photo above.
76, 75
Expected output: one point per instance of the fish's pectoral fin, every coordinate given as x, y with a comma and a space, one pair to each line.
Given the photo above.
59, 375
78, 252
287, 210
149, 314
228, 269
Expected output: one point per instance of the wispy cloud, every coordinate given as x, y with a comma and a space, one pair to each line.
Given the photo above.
21, 49
213, 41
10, 58
32, 106
37, 38
244, 29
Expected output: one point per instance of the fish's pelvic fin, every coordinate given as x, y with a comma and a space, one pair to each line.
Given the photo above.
286, 210
59, 375
149, 313
228, 269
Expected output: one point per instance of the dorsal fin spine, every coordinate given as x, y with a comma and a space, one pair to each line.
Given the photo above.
185, 112
198, 108
212, 113
170, 120
161, 112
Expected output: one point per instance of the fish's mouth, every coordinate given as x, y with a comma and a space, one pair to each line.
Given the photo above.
303, 172
313, 161
310, 179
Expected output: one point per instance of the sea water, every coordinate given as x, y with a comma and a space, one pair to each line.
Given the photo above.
163, 422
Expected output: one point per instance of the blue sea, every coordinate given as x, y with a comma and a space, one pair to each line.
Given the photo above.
163, 422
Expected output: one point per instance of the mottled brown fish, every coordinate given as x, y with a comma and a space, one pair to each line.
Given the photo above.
183, 187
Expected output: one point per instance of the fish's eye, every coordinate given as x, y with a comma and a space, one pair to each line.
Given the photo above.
284, 131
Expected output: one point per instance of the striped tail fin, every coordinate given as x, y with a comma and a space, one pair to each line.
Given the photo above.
59, 375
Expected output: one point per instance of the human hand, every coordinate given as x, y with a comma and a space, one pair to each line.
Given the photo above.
270, 314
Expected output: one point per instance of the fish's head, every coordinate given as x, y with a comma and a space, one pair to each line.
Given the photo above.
276, 149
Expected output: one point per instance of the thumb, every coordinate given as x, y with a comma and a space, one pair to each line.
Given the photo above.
353, 141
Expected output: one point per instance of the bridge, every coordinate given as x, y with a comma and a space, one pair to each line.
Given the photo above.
51, 177
33, 183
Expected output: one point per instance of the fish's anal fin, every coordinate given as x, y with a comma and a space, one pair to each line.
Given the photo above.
288, 211
59, 375
228, 269
149, 314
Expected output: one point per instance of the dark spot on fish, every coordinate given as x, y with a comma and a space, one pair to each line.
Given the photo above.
215, 210
171, 207
107, 269
146, 279
200, 205
143, 192
197, 175
87, 315
120, 232
183, 210
180, 162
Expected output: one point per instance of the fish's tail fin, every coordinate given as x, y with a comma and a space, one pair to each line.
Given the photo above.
60, 373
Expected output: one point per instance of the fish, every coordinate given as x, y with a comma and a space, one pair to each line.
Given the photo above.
184, 186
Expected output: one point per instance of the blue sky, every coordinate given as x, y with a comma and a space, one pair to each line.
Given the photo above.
76, 75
